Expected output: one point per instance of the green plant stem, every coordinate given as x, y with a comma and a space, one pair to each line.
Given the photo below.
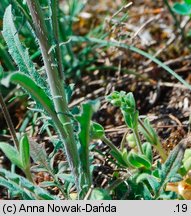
57, 89
123, 141
55, 26
13, 133
117, 153
145, 129
9, 121
157, 145
161, 151
111, 145
28, 174
137, 139
57, 182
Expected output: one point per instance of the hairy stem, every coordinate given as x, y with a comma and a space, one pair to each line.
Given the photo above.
55, 26
118, 153
123, 141
56, 87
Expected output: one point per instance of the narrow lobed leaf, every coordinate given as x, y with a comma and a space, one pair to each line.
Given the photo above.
18, 52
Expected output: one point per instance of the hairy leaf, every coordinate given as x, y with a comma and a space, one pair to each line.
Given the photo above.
43, 194
15, 189
24, 187
18, 52
148, 179
172, 165
38, 154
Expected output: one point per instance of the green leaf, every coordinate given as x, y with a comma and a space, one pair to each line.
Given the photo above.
46, 184
43, 194
34, 90
138, 161
186, 162
172, 165
1, 72
147, 150
24, 150
7, 184
150, 135
130, 100
84, 136
18, 52
38, 154
187, 2
100, 194
149, 179
16, 49
17, 185
66, 177
15, 190
168, 195
11, 153
131, 119
119, 158
97, 131
22, 186
176, 178
182, 9
146, 193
